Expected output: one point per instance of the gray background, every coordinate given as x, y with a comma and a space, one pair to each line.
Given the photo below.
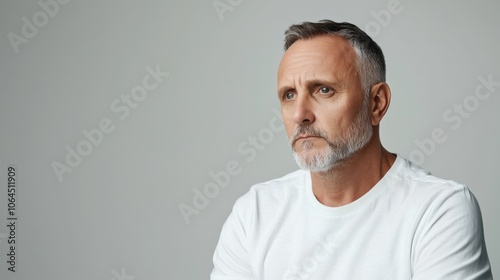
116, 214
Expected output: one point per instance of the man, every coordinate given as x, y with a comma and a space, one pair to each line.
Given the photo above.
355, 210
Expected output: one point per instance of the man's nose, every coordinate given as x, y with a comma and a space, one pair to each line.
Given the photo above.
303, 113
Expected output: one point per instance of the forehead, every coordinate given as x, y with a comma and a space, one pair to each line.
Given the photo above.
324, 56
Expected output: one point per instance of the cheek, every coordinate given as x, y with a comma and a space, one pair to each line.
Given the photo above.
335, 118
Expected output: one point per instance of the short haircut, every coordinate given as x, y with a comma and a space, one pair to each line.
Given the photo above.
370, 62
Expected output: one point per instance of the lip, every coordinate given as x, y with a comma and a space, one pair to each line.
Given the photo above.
307, 136
304, 137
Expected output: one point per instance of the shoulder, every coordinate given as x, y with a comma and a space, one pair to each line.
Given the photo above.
289, 183
438, 202
421, 182
428, 198
448, 235
274, 193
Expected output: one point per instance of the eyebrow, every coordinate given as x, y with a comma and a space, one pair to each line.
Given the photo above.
282, 90
308, 84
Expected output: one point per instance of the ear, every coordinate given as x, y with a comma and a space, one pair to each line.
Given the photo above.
380, 98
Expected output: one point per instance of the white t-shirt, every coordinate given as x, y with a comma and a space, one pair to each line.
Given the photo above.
410, 225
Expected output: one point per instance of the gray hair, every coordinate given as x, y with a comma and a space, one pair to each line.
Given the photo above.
370, 62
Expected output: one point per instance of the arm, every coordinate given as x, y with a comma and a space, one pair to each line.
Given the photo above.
231, 258
450, 243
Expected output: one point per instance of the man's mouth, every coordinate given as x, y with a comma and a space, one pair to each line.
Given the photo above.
305, 137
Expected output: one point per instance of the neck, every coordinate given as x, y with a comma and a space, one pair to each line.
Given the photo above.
353, 177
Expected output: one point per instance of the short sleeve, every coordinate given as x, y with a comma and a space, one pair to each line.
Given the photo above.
450, 243
231, 258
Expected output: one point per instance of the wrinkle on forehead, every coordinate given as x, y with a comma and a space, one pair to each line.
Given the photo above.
323, 55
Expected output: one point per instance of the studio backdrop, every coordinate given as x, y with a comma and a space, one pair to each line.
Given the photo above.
130, 128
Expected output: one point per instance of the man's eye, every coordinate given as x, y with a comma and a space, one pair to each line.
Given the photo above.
289, 95
325, 90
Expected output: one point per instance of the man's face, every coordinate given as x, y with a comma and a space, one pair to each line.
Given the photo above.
324, 108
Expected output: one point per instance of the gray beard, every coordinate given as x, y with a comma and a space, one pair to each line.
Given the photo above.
355, 138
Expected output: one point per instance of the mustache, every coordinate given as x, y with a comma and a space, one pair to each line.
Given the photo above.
308, 130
